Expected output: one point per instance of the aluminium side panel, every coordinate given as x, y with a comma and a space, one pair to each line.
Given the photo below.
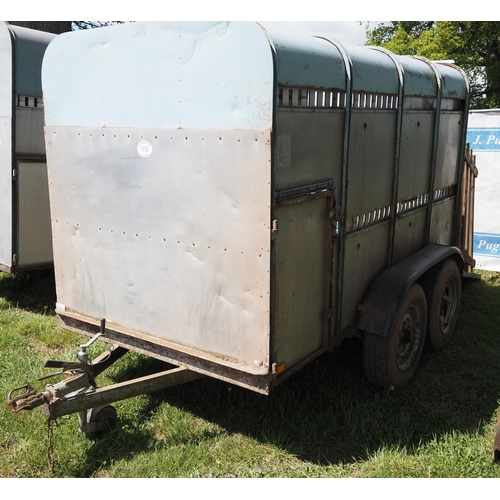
160, 184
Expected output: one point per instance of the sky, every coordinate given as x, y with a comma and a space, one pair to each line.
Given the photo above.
332, 18
277, 14
346, 32
344, 21
303, 17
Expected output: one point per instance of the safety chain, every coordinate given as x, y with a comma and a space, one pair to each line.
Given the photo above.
50, 448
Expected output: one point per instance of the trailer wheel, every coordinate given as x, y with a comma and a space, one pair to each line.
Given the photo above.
105, 416
443, 290
392, 361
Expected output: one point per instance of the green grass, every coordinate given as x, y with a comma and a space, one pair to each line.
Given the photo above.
326, 421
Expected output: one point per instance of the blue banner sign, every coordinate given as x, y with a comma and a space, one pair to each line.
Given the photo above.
484, 139
487, 244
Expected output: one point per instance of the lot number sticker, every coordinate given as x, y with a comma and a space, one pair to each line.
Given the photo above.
144, 149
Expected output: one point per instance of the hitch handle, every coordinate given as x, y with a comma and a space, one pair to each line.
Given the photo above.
82, 356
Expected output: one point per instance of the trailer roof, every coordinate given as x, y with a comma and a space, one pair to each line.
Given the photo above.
5, 71
215, 74
194, 75
28, 46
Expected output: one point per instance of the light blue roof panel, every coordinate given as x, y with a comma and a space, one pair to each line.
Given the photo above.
5, 71
161, 75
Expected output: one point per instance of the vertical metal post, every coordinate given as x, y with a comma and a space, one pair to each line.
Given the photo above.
435, 141
397, 151
14, 164
272, 203
344, 185
461, 158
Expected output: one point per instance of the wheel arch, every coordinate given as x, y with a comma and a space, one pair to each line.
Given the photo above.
381, 301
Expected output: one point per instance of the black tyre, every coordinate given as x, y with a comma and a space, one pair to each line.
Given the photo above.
105, 416
392, 361
443, 288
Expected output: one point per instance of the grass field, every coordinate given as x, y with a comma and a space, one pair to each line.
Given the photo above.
326, 421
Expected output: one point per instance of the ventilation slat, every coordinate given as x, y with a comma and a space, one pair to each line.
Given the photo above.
329, 98
26, 101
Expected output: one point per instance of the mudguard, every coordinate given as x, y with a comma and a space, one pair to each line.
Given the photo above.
390, 287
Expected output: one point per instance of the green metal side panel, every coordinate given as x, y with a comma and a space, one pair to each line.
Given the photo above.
307, 61
302, 275
29, 46
410, 234
366, 253
303, 156
371, 169
34, 215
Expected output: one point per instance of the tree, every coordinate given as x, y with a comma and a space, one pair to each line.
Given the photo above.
472, 45
58, 27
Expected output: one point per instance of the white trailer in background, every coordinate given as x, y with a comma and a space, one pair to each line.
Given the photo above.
25, 233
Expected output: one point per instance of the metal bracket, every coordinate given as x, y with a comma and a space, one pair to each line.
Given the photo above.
274, 229
304, 190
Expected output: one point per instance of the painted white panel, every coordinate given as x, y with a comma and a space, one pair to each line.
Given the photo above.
166, 75
174, 243
5, 146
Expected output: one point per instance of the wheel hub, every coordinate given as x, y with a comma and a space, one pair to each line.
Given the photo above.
447, 305
409, 337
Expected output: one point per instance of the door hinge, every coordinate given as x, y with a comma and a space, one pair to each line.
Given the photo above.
14, 259
335, 214
274, 229
14, 174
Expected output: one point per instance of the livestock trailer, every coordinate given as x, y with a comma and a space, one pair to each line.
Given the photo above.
25, 234
236, 202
